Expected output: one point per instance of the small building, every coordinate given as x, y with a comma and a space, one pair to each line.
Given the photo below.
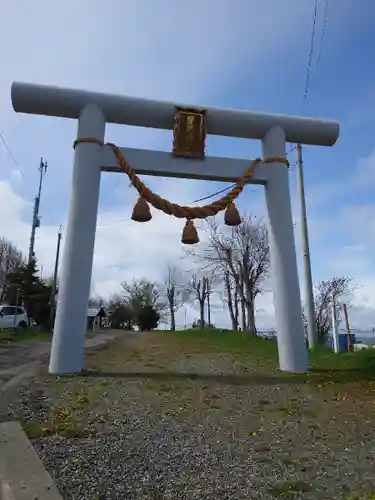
91, 315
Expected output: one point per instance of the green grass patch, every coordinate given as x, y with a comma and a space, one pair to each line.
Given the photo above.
343, 367
325, 365
227, 340
67, 418
20, 335
62, 422
360, 496
290, 490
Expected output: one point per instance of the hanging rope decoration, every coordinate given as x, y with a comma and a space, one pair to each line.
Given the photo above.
141, 210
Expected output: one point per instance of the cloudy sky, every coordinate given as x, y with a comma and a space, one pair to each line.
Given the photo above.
242, 54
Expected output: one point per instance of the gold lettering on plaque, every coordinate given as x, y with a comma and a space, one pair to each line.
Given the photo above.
189, 133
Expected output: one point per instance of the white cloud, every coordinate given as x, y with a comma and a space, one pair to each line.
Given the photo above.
366, 170
355, 226
12, 208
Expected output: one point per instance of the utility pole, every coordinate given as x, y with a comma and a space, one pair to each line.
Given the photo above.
54, 281
309, 291
36, 219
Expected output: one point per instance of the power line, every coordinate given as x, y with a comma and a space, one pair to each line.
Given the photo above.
2, 138
322, 33
109, 224
123, 221
229, 187
311, 51
213, 194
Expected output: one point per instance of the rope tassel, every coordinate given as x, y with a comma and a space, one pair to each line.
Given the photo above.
141, 211
231, 216
189, 234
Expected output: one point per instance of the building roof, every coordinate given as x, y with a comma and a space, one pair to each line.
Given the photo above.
92, 312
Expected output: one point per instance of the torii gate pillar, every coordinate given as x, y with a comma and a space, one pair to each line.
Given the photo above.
67, 352
93, 111
286, 292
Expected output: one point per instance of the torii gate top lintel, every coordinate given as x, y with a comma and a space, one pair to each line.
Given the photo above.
68, 103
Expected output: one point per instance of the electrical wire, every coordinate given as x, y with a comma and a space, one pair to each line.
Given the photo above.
213, 194
123, 221
311, 52
2, 138
226, 189
9, 151
322, 33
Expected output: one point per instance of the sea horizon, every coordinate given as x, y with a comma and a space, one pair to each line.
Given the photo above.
362, 336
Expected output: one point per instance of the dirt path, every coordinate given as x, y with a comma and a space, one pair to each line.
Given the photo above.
21, 361
18, 360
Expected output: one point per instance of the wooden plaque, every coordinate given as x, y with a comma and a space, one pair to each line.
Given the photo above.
189, 133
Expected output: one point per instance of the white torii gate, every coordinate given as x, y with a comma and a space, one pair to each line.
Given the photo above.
93, 111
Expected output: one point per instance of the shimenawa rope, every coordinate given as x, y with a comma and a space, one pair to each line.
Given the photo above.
182, 211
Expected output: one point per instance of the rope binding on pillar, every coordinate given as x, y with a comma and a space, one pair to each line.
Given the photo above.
141, 210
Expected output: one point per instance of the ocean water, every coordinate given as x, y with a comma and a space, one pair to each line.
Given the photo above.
362, 336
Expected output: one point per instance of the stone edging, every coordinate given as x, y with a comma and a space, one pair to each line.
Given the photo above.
22, 474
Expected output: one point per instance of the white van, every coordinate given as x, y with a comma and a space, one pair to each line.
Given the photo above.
12, 317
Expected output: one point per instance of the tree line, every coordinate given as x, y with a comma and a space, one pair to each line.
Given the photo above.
230, 264
21, 285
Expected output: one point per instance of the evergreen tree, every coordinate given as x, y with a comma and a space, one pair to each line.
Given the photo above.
21, 282
26, 287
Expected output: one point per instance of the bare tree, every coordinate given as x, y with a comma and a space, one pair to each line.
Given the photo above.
198, 288
97, 301
176, 293
230, 296
209, 291
10, 258
242, 252
327, 290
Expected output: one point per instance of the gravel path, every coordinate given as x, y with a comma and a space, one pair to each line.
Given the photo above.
168, 422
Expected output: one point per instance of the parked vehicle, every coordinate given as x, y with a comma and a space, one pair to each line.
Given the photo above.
13, 317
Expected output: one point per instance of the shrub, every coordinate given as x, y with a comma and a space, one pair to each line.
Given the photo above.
148, 318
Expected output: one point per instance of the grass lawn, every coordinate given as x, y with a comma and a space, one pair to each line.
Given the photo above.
21, 335
270, 434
